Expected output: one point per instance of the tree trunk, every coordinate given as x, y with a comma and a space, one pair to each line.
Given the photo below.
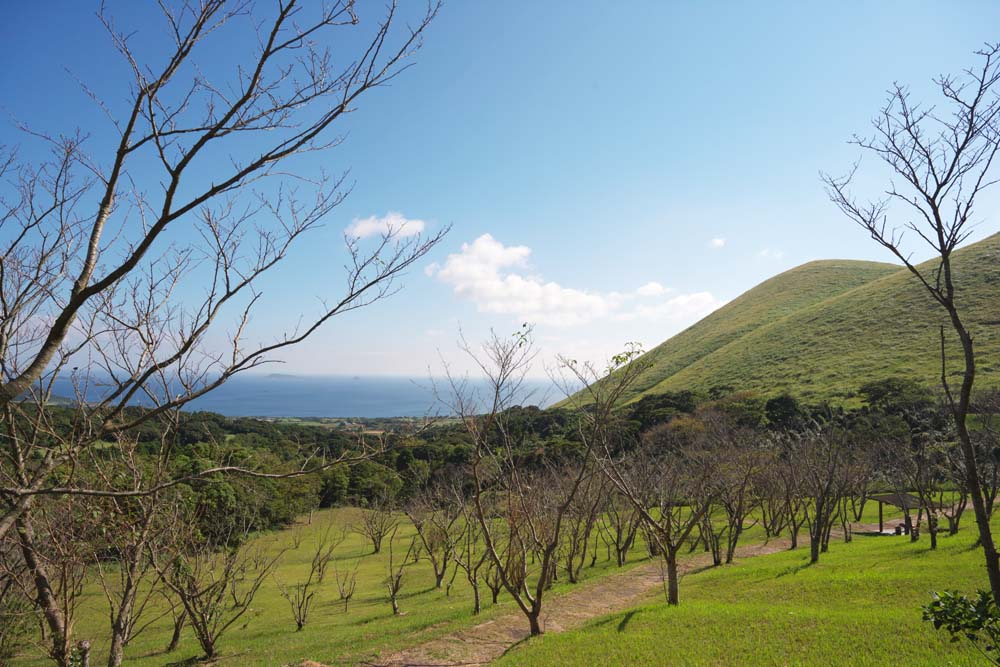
733, 541
960, 413
979, 510
175, 638
533, 624
116, 654
46, 600
673, 597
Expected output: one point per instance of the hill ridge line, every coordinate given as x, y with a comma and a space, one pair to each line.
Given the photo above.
819, 305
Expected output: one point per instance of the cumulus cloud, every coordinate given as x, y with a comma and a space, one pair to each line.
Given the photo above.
680, 308
392, 222
717, 242
481, 272
497, 279
771, 253
652, 288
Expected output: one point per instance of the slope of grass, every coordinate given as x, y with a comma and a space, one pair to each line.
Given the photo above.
860, 605
772, 300
266, 636
821, 330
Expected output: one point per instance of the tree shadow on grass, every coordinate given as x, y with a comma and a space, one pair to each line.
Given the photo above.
625, 620
794, 569
186, 662
512, 647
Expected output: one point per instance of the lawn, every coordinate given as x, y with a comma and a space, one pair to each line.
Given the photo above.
267, 636
860, 605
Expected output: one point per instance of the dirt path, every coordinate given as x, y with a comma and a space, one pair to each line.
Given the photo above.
488, 641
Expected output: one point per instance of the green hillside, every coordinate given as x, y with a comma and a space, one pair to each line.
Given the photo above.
822, 329
859, 606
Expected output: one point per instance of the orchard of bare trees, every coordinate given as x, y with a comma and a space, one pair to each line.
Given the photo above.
539, 498
101, 249
124, 263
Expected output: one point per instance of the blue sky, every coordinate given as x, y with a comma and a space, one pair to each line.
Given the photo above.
611, 172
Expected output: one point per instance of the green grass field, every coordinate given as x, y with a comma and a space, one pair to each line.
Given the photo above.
267, 636
860, 605
823, 329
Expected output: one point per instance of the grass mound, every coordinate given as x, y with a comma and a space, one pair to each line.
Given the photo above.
823, 329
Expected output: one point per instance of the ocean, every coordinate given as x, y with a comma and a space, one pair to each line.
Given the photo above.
280, 395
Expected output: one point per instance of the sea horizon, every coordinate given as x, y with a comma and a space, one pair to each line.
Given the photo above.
276, 395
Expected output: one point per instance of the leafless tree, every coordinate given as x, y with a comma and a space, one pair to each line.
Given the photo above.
521, 513
943, 159
493, 579
471, 557
951, 500
581, 519
822, 458
215, 584
53, 541
397, 566
793, 495
300, 596
619, 523
178, 618
768, 488
987, 445
436, 514
669, 491
328, 543
736, 459
17, 615
102, 246
133, 526
97, 248
377, 522
665, 488
347, 582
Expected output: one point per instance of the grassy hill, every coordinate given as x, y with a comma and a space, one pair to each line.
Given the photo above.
824, 328
859, 605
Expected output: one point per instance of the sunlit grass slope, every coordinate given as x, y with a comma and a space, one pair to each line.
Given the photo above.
266, 636
824, 328
860, 605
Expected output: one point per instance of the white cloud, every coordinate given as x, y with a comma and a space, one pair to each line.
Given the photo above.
392, 222
651, 289
495, 277
771, 253
717, 242
681, 308
481, 272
